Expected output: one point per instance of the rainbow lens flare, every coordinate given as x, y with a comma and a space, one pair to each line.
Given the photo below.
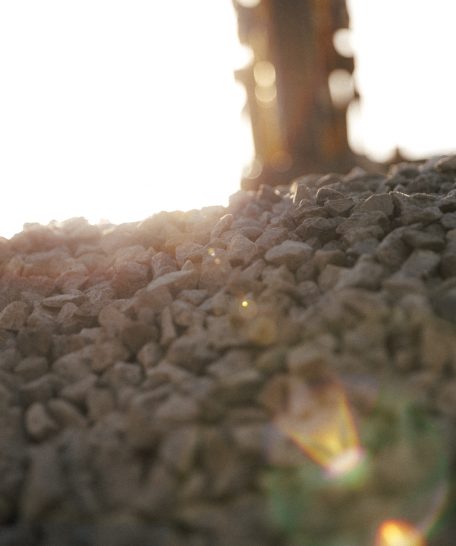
399, 533
321, 424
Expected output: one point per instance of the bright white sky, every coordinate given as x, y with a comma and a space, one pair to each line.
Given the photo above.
405, 57
116, 109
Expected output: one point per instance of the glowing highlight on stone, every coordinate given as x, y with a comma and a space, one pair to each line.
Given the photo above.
245, 308
399, 533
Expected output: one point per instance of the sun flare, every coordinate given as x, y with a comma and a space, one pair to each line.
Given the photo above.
399, 533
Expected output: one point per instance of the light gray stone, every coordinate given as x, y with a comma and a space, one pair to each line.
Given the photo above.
150, 354
65, 413
152, 300
365, 274
177, 408
124, 374
419, 208
167, 329
270, 237
68, 318
448, 265
166, 372
98, 296
41, 318
188, 251
222, 225
421, 263
156, 497
175, 280
100, 402
44, 486
301, 188
380, 201
290, 253
193, 297
135, 334
392, 251
222, 334
448, 220
446, 164
34, 341
77, 392
398, 285
330, 276
14, 316
106, 353
215, 270
74, 366
162, 264
446, 399
366, 219
41, 389
178, 449
190, 351
183, 313
249, 438
318, 226
38, 423
307, 358
339, 207
327, 193
324, 257
112, 319
241, 250
437, 346
421, 239
58, 301
31, 367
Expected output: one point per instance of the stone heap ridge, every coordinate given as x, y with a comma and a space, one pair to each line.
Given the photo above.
142, 365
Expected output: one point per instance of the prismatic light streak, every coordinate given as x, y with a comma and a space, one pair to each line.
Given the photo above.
318, 419
320, 422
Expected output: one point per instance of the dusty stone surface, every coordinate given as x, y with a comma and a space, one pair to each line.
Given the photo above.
145, 368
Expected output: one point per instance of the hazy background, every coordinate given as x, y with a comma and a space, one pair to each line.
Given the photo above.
116, 109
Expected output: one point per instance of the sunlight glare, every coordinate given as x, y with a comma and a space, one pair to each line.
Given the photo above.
117, 109
341, 87
249, 3
342, 41
404, 73
266, 95
264, 73
248, 309
398, 533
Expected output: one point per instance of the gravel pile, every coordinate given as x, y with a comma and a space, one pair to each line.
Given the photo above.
151, 373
